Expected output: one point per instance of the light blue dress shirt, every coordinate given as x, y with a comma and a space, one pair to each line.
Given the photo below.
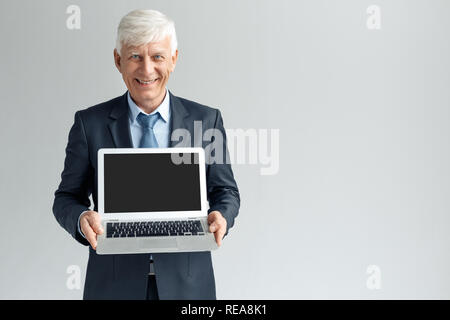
161, 127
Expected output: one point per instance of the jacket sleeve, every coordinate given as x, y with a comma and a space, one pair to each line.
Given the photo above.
223, 193
72, 196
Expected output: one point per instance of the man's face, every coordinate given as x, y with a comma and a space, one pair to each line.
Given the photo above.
146, 70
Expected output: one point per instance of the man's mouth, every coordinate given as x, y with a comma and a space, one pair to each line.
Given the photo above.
146, 82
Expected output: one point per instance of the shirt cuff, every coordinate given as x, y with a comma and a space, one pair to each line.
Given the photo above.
78, 224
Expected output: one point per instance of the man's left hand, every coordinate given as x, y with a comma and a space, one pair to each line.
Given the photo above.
217, 225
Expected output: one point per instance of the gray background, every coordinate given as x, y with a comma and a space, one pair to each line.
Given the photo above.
364, 139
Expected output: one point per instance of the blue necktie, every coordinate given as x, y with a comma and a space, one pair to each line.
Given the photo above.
147, 122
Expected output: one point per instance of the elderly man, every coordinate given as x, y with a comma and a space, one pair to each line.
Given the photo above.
146, 54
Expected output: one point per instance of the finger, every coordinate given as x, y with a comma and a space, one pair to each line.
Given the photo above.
213, 227
96, 225
91, 236
219, 236
218, 239
212, 216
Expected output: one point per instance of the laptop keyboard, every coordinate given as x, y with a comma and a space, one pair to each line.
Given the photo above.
153, 229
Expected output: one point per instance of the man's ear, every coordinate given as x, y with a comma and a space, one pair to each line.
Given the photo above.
174, 60
117, 60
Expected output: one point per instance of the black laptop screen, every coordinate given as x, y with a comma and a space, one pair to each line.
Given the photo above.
150, 182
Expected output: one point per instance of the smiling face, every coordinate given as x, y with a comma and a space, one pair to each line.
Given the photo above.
146, 70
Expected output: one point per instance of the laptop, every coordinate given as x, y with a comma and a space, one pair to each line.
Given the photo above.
153, 200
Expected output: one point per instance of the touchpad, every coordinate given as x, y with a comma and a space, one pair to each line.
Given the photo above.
158, 243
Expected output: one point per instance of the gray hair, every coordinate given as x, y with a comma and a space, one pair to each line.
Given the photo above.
143, 26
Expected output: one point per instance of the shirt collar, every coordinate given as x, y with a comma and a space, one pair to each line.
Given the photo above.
163, 108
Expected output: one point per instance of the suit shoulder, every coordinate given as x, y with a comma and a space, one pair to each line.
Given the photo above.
198, 108
100, 109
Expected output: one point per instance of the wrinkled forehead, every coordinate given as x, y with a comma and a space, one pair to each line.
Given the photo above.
152, 46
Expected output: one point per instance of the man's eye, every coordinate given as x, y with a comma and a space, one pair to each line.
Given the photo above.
157, 57
135, 56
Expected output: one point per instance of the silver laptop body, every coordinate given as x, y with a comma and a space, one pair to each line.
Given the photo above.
153, 200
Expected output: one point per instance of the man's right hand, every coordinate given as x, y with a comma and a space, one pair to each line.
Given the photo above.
90, 225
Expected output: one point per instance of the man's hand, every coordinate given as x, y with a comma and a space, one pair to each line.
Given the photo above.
217, 225
90, 225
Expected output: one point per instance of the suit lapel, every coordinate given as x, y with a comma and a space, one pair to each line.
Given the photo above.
178, 117
120, 127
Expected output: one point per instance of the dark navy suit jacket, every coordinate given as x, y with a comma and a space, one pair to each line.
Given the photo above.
124, 276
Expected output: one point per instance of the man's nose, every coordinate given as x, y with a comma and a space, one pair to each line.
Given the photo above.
148, 65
